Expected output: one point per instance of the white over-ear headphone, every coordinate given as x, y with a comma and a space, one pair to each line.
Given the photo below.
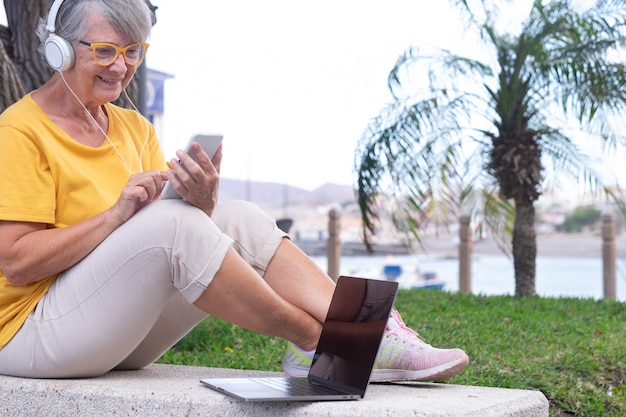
58, 51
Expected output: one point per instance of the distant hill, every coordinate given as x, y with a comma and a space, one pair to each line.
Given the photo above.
269, 194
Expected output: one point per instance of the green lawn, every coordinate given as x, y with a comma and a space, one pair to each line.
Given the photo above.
573, 350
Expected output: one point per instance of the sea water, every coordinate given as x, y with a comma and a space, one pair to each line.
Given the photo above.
494, 275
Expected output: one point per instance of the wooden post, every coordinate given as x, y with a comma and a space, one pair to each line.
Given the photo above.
608, 256
334, 243
465, 255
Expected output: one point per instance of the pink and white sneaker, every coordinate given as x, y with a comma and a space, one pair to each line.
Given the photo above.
403, 356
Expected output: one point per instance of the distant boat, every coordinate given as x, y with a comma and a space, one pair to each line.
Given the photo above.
408, 276
412, 277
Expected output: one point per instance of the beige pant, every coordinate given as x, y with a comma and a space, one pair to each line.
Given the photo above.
131, 299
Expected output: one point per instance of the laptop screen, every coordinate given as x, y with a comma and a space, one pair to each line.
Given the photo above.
351, 335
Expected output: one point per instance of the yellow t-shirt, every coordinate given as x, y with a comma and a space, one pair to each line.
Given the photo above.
48, 177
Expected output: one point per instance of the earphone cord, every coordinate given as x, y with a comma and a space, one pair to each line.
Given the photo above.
130, 171
145, 141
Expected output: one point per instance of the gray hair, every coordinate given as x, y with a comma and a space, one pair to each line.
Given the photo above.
132, 19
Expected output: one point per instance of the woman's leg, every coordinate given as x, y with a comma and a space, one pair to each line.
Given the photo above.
299, 291
98, 313
239, 295
261, 245
175, 321
296, 278
287, 270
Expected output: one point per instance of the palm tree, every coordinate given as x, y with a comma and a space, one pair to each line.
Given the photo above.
484, 137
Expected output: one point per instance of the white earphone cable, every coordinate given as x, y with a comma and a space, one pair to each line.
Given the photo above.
145, 141
130, 171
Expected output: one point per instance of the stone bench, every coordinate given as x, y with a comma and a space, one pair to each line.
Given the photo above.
168, 390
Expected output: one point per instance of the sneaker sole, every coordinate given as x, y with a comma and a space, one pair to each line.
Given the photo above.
437, 373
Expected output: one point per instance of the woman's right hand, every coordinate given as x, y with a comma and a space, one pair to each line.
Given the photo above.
141, 189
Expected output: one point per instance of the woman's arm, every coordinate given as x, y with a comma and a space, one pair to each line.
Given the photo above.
30, 252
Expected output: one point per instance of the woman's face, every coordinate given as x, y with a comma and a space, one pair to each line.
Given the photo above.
97, 84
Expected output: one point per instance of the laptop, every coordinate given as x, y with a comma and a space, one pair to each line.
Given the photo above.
345, 355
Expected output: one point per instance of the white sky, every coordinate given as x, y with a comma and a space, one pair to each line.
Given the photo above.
291, 85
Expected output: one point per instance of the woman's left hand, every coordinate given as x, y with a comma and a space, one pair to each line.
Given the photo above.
197, 182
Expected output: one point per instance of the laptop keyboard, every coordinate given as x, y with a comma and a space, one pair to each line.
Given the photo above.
295, 386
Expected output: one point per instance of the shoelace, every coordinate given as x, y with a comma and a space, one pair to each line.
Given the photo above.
401, 331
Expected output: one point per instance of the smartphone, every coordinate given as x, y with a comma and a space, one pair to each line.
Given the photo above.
209, 143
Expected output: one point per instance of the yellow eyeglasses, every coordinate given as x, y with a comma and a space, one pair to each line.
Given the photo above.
106, 53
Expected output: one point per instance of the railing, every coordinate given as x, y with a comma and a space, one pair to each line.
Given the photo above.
465, 252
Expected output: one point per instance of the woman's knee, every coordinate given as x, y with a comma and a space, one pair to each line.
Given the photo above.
255, 234
175, 230
234, 218
174, 218
237, 216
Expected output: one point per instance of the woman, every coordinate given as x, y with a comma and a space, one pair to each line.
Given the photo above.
98, 273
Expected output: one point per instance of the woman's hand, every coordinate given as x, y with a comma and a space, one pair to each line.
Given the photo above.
140, 190
197, 183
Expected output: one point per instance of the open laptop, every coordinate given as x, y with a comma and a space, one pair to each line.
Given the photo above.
345, 355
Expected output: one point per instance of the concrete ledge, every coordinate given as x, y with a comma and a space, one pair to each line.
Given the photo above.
167, 390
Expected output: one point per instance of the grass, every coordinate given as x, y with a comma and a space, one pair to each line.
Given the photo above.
570, 349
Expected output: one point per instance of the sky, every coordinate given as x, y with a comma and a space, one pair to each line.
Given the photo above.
291, 85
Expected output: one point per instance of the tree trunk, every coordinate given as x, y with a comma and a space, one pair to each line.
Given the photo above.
11, 86
524, 249
23, 17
